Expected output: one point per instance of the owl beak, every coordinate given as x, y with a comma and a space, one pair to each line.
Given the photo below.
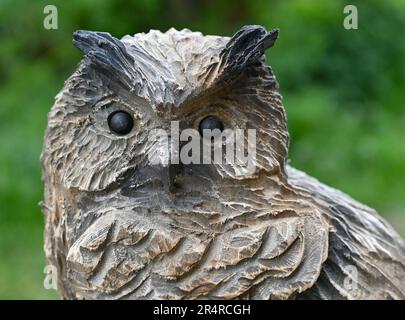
169, 175
162, 161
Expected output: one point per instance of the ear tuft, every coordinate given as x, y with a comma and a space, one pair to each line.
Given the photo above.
246, 47
87, 41
106, 53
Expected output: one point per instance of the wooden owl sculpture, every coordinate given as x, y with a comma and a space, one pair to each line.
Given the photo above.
120, 226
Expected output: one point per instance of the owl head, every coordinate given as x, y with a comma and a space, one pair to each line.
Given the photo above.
119, 224
104, 120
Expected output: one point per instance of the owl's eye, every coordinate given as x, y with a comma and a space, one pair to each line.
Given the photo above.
210, 123
120, 122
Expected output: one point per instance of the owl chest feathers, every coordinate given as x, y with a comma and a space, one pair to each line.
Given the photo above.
221, 244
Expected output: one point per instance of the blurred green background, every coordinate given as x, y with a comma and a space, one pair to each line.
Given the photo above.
344, 91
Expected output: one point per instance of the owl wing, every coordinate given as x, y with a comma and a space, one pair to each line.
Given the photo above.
366, 257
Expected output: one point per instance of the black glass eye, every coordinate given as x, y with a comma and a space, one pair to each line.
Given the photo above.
120, 122
210, 123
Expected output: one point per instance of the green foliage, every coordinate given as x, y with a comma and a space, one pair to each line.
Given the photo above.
343, 89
